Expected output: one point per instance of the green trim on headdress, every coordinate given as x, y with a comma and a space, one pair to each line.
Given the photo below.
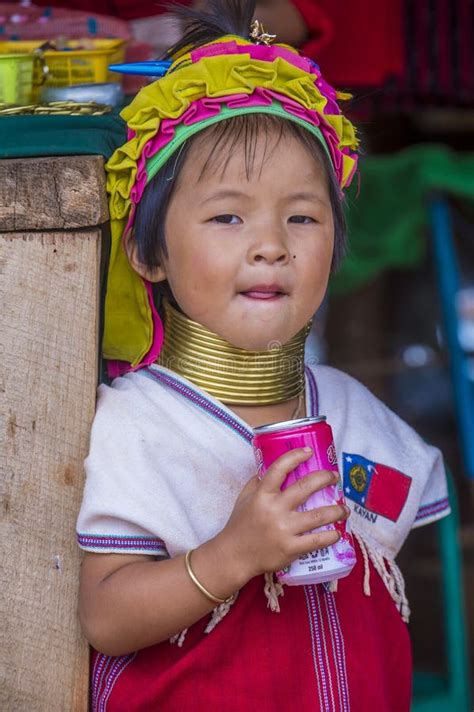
185, 131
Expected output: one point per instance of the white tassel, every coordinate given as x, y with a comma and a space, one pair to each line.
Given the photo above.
178, 639
389, 573
273, 589
332, 586
404, 606
220, 612
365, 556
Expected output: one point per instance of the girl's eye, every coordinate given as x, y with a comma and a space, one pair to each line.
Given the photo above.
226, 219
302, 219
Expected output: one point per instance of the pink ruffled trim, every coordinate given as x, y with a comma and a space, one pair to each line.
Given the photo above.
208, 107
262, 53
269, 54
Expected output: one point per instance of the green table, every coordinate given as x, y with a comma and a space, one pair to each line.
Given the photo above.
388, 220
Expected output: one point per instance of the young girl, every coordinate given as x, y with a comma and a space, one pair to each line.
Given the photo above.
226, 212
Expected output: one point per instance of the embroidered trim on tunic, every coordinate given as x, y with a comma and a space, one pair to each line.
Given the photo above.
213, 409
329, 659
103, 680
313, 392
321, 684
201, 402
122, 543
339, 647
434, 508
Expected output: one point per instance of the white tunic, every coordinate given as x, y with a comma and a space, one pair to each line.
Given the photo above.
167, 462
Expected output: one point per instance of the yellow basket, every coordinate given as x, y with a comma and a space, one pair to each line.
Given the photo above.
16, 78
73, 66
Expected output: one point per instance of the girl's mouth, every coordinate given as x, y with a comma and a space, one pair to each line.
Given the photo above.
267, 292
254, 294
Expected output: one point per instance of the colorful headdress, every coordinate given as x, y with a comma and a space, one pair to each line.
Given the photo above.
219, 80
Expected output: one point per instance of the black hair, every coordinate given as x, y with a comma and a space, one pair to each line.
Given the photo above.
150, 216
218, 18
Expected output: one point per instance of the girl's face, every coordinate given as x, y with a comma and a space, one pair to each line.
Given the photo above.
249, 256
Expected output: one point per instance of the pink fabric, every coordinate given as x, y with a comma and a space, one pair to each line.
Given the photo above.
117, 368
269, 54
262, 53
208, 107
158, 329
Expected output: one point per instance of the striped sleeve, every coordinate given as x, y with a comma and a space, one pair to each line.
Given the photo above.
120, 544
434, 503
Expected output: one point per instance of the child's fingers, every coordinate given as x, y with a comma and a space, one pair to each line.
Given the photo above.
304, 522
277, 472
297, 493
312, 542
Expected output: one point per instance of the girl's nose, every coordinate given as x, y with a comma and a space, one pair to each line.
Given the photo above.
269, 248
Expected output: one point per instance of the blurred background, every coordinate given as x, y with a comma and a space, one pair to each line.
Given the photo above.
400, 314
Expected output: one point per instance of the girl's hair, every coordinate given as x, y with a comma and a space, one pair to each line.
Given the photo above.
218, 18
239, 132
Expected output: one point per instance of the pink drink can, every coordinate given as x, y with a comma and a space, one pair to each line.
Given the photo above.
272, 441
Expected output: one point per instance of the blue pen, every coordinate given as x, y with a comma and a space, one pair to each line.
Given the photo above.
152, 68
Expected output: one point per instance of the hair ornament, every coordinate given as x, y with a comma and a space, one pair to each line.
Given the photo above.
258, 34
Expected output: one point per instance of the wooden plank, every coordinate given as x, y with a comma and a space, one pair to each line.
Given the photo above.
49, 338
52, 193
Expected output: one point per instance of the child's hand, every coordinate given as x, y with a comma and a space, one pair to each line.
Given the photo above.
265, 532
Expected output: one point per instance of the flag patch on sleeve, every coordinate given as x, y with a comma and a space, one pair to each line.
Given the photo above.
376, 487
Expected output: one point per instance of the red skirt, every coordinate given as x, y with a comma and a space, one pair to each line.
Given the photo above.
328, 652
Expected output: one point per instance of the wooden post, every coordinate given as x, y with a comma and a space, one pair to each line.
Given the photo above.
50, 304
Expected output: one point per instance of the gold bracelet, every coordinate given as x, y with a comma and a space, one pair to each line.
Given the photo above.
208, 594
